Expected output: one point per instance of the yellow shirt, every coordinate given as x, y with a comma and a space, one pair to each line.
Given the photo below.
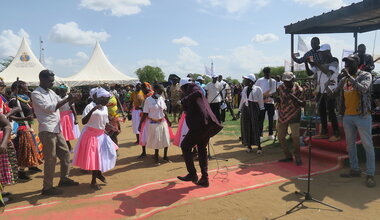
351, 99
137, 99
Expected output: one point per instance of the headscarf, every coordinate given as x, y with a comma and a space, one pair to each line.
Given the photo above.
93, 92
102, 93
149, 88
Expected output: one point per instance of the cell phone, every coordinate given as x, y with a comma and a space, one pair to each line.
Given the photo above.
296, 54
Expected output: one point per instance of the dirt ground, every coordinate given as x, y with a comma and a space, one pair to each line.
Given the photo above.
270, 202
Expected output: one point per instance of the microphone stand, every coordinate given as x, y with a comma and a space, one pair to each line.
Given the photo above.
307, 195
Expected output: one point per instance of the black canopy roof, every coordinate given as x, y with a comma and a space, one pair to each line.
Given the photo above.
355, 18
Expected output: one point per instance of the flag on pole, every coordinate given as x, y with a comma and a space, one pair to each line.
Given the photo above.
208, 71
301, 45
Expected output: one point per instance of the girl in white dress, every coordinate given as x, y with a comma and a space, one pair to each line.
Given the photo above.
157, 122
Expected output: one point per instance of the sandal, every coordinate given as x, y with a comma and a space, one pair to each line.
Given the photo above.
95, 186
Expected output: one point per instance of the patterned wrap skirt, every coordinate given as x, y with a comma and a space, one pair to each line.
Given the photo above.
8, 166
27, 148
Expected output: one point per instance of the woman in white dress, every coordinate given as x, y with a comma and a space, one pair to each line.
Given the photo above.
95, 150
158, 123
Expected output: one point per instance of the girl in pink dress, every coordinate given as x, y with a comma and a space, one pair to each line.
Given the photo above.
95, 150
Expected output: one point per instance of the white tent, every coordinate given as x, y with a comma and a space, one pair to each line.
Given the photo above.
25, 66
98, 71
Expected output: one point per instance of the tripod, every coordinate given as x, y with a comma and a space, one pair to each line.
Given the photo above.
307, 194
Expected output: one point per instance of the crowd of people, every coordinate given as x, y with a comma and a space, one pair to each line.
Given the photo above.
198, 108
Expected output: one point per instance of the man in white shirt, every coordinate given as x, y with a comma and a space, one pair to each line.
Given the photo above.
268, 86
214, 97
46, 104
227, 99
327, 69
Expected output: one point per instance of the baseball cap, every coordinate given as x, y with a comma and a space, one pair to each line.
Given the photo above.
288, 76
352, 57
251, 77
184, 81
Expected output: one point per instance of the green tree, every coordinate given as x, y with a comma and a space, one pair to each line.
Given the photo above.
4, 63
279, 70
150, 74
233, 81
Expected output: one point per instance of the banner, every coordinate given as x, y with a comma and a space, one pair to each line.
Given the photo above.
297, 67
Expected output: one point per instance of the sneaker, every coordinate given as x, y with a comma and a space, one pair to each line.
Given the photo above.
249, 150
286, 160
271, 137
203, 182
67, 182
352, 173
370, 181
259, 152
53, 191
166, 159
334, 138
188, 178
321, 136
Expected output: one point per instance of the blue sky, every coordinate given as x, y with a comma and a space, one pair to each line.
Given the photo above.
180, 36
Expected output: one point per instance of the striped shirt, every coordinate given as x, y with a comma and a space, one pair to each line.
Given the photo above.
288, 109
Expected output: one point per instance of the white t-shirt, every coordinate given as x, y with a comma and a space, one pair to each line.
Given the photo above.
213, 90
155, 107
99, 117
322, 78
265, 85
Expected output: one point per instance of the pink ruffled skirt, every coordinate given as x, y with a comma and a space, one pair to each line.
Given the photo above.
70, 130
95, 151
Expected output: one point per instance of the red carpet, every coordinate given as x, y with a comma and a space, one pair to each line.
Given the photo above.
145, 200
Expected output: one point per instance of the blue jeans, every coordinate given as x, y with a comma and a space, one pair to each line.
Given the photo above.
362, 124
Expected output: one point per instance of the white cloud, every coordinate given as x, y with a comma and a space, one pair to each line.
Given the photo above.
233, 6
67, 66
116, 7
265, 38
185, 41
82, 55
329, 4
10, 42
71, 33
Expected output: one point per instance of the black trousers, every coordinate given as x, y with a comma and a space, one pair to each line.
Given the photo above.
215, 108
191, 139
327, 108
223, 113
269, 108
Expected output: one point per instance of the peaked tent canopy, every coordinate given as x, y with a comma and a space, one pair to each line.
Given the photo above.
25, 66
98, 71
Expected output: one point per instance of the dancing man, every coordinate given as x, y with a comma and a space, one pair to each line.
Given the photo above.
291, 100
46, 104
202, 124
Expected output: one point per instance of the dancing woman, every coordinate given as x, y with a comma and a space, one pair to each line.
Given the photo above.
95, 150
25, 142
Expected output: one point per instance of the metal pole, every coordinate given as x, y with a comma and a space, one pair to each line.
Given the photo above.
292, 50
356, 41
